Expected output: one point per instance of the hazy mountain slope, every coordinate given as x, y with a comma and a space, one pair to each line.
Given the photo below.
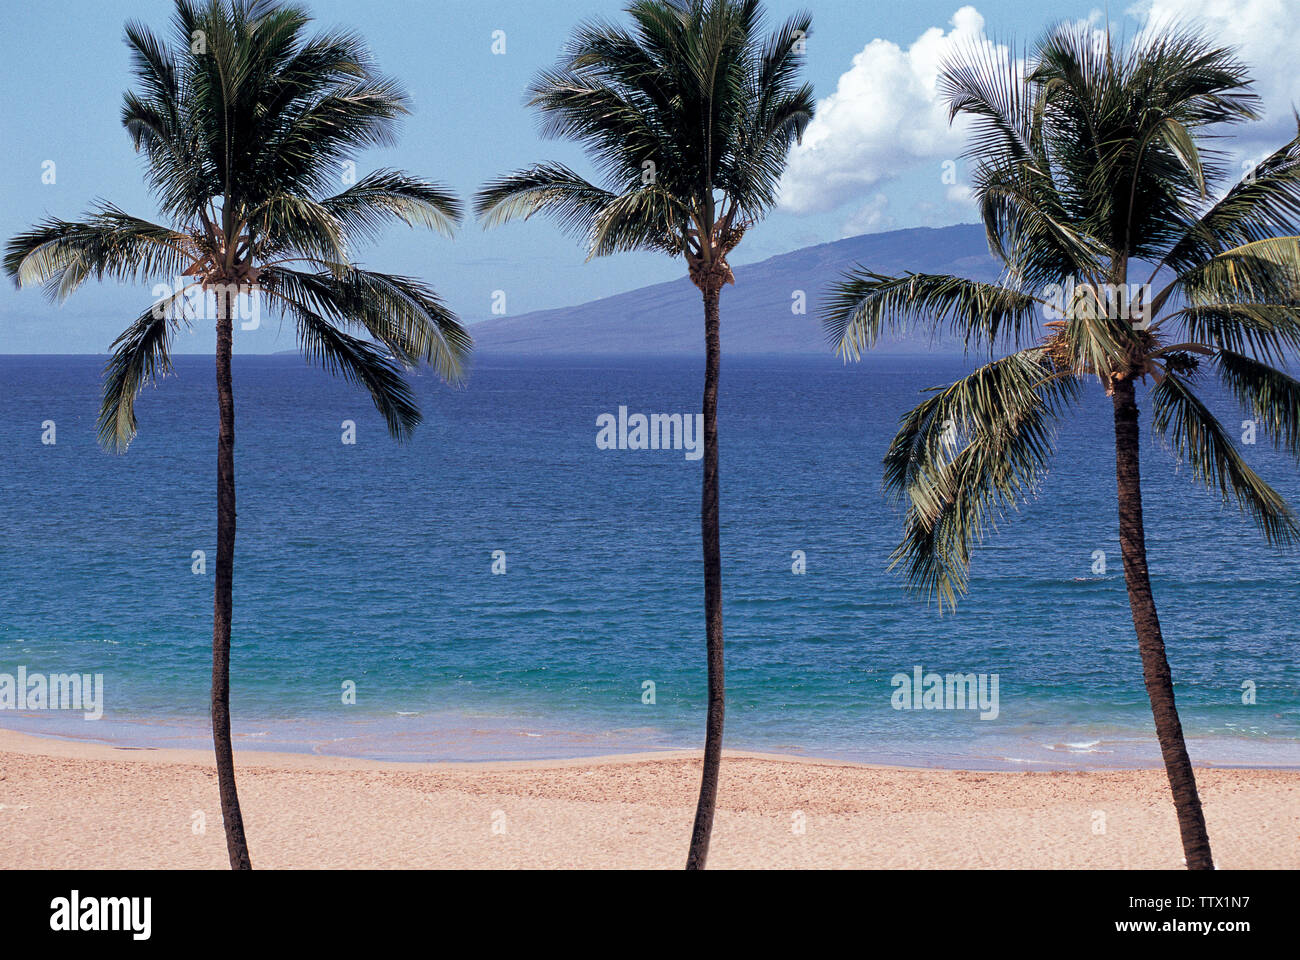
667, 319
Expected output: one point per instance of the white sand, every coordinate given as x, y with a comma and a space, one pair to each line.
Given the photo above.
66, 804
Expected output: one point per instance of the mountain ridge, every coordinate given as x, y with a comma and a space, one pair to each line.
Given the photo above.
666, 319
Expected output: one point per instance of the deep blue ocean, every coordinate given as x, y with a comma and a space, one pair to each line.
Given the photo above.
371, 564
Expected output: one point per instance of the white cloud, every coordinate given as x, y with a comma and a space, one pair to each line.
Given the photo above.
885, 116
872, 217
961, 194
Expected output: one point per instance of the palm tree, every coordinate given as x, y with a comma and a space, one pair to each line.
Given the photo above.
689, 116
244, 124
1091, 170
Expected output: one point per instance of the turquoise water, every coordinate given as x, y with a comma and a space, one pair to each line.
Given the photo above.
372, 564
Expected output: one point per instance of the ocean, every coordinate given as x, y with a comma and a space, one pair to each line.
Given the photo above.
369, 621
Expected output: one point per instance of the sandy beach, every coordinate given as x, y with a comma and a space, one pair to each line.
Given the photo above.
71, 805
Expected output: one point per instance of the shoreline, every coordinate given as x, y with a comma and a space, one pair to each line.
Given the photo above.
380, 739
31, 744
67, 803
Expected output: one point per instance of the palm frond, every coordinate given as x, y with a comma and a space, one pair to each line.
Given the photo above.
1265, 203
288, 223
964, 456
1271, 396
62, 254
385, 195
991, 88
402, 314
360, 362
650, 218
141, 356
1028, 226
1264, 271
864, 305
1265, 330
552, 188
1198, 439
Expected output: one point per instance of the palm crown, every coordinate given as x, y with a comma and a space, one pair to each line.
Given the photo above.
688, 117
1094, 178
246, 125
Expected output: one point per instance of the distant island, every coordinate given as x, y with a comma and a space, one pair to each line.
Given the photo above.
662, 319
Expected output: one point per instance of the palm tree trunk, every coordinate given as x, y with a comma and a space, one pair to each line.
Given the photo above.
222, 601
1151, 644
703, 828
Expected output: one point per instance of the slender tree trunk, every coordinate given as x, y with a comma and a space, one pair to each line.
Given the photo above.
1155, 666
703, 828
222, 601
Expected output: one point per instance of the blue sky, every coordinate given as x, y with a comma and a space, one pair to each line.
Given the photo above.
874, 160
